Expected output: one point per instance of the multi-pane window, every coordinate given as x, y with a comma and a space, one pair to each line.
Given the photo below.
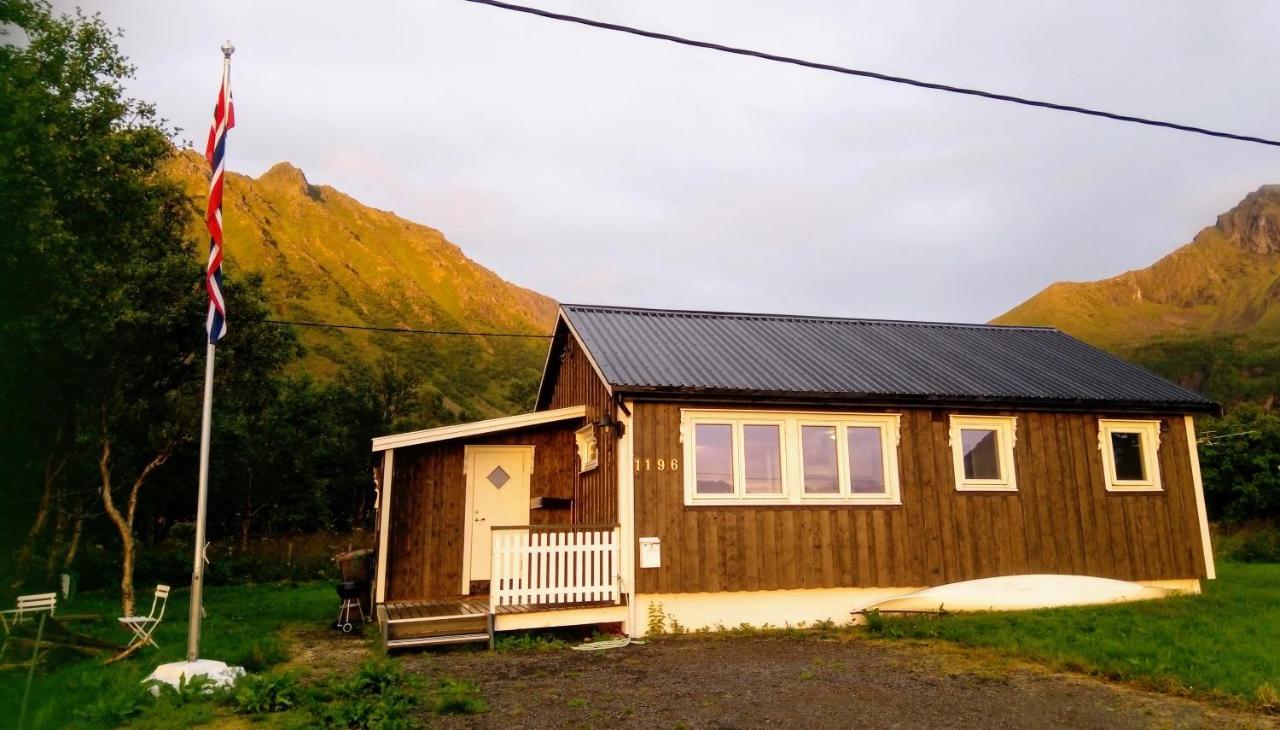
1130, 449
763, 457
982, 453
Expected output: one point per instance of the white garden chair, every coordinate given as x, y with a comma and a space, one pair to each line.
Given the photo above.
143, 626
29, 606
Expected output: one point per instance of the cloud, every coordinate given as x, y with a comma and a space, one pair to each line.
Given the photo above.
601, 168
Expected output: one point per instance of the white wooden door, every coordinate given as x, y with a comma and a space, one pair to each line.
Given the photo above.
498, 494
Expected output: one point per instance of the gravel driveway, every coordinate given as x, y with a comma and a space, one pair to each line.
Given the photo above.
720, 682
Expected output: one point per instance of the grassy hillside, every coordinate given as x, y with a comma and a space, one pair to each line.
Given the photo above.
1207, 315
326, 257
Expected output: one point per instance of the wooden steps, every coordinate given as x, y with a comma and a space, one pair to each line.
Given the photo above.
443, 621
457, 620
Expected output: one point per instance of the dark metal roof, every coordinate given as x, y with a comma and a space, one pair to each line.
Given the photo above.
823, 358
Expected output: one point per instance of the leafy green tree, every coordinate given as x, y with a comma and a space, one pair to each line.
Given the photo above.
100, 283
1241, 465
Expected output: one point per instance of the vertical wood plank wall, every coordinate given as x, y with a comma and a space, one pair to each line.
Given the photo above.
595, 499
428, 504
1061, 519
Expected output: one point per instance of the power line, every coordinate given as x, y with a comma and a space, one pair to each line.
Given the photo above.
404, 330
876, 75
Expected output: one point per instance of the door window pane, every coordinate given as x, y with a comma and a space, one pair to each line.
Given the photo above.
1126, 447
762, 455
866, 463
821, 475
713, 443
981, 448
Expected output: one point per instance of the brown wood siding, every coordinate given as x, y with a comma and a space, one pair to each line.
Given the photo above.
595, 499
428, 502
1061, 519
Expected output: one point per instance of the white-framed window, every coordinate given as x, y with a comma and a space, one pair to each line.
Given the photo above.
1130, 454
982, 453
767, 457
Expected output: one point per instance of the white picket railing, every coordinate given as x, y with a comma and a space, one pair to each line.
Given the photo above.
536, 565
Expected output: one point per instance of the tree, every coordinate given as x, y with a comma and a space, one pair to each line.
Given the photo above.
100, 281
1241, 465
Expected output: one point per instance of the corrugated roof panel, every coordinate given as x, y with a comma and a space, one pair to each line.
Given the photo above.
651, 349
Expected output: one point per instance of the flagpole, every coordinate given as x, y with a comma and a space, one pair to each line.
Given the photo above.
202, 499
206, 428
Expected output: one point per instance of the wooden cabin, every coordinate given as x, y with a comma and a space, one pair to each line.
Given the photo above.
722, 469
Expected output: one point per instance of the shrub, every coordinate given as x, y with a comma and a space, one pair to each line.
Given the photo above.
657, 620
255, 694
1257, 542
378, 695
116, 698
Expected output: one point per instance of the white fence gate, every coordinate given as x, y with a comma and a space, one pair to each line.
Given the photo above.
536, 565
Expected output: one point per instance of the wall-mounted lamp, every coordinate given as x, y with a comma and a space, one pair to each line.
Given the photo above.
609, 425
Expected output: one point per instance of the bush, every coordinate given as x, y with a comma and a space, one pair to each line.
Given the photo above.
378, 695
117, 698
1241, 465
1257, 542
256, 694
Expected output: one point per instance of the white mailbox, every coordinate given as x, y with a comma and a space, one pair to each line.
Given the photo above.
650, 552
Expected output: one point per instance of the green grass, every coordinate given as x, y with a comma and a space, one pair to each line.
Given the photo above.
242, 628
246, 626
1223, 644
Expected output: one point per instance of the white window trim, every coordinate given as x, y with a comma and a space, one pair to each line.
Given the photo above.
1006, 428
791, 456
1149, 436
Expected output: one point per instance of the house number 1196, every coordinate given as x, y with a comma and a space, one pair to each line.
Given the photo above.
659, 464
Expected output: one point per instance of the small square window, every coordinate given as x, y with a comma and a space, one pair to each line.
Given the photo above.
1130, 455
982, 453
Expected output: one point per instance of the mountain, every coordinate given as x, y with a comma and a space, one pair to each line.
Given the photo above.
1207, 315
325, 257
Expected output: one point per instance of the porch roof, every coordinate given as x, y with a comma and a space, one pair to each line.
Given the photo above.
477, 428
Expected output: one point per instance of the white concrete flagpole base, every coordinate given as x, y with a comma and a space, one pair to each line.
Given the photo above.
173, 673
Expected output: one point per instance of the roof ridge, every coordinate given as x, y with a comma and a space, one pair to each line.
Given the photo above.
702, 313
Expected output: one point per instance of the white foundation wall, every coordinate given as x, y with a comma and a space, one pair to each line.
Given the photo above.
696, 611
1182, 585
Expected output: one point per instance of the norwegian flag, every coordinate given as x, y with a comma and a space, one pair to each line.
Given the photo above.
224, 118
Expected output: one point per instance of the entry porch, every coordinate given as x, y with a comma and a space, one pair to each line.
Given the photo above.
540, 576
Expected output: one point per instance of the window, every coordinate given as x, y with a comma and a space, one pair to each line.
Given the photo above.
1130, 451
821, 469
765, 457
762, 458
982, 453
713, 444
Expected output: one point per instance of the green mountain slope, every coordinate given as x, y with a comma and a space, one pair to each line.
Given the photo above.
325, 257
1207, 315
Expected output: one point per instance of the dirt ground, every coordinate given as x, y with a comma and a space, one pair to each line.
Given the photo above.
723, 682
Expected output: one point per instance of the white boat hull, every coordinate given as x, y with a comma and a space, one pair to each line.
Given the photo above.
1020, 593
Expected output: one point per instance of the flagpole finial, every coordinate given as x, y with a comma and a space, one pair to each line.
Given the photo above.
227, 49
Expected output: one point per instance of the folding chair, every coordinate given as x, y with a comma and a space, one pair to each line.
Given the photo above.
143, 626
28, 607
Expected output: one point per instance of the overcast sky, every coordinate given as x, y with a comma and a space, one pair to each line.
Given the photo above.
601, 168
